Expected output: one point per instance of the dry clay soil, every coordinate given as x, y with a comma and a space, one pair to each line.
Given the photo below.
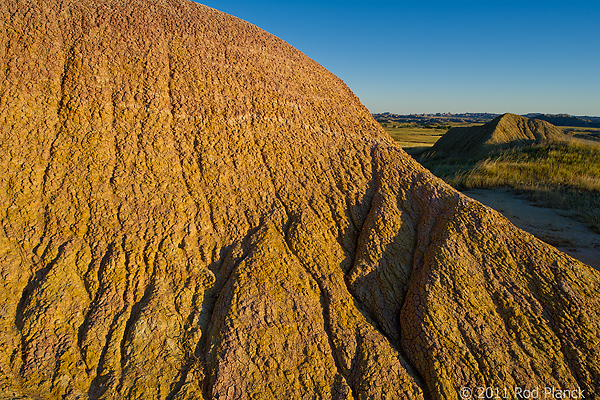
553, 226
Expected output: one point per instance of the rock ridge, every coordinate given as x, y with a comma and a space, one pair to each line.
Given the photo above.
504, 131
193, 209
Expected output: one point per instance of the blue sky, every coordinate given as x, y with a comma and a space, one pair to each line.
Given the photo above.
447, 56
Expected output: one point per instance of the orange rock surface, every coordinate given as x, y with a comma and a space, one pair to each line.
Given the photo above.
193, 209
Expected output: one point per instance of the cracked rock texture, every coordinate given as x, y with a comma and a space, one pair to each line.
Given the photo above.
193, 209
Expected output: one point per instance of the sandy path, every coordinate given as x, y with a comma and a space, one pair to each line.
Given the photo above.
550, 225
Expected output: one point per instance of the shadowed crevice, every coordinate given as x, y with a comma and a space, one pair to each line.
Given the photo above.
325, 301
81, 332
213, 297
35, 282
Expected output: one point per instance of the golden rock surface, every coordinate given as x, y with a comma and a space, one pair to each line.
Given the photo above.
193, 209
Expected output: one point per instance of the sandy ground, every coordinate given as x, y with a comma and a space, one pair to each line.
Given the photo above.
548, 224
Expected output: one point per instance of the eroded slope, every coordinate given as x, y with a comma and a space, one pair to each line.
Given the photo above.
194, 209
505, 131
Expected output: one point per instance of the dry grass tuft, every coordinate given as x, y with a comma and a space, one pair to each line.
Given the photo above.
561, 174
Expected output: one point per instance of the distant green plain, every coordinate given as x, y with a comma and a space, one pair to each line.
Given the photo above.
409, 137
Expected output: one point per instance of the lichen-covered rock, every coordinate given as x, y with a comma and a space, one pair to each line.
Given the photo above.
193, 209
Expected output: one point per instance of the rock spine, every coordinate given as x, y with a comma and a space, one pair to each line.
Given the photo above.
193, 209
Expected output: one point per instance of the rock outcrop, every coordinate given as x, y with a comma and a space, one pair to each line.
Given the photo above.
569, 120
193, 209
505, 131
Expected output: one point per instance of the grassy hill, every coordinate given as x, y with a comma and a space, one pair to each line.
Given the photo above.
503, 132
561, 173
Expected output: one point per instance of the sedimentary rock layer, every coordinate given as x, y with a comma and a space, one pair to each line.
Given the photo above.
193, 209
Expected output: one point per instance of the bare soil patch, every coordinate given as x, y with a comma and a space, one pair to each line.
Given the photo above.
553, 226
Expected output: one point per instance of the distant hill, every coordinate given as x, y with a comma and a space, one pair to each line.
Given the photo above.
479, 118
505, 131
434, 119
569, 120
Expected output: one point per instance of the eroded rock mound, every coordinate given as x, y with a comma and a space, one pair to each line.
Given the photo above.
193, 209
505, 131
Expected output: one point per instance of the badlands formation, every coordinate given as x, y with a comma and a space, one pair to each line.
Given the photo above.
505, 131
193, 209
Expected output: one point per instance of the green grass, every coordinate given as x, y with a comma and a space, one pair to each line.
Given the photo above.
415, 138
412, 136
583, 133
561, 174
564, 175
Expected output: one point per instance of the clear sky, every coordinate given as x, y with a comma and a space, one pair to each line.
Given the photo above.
446, 56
